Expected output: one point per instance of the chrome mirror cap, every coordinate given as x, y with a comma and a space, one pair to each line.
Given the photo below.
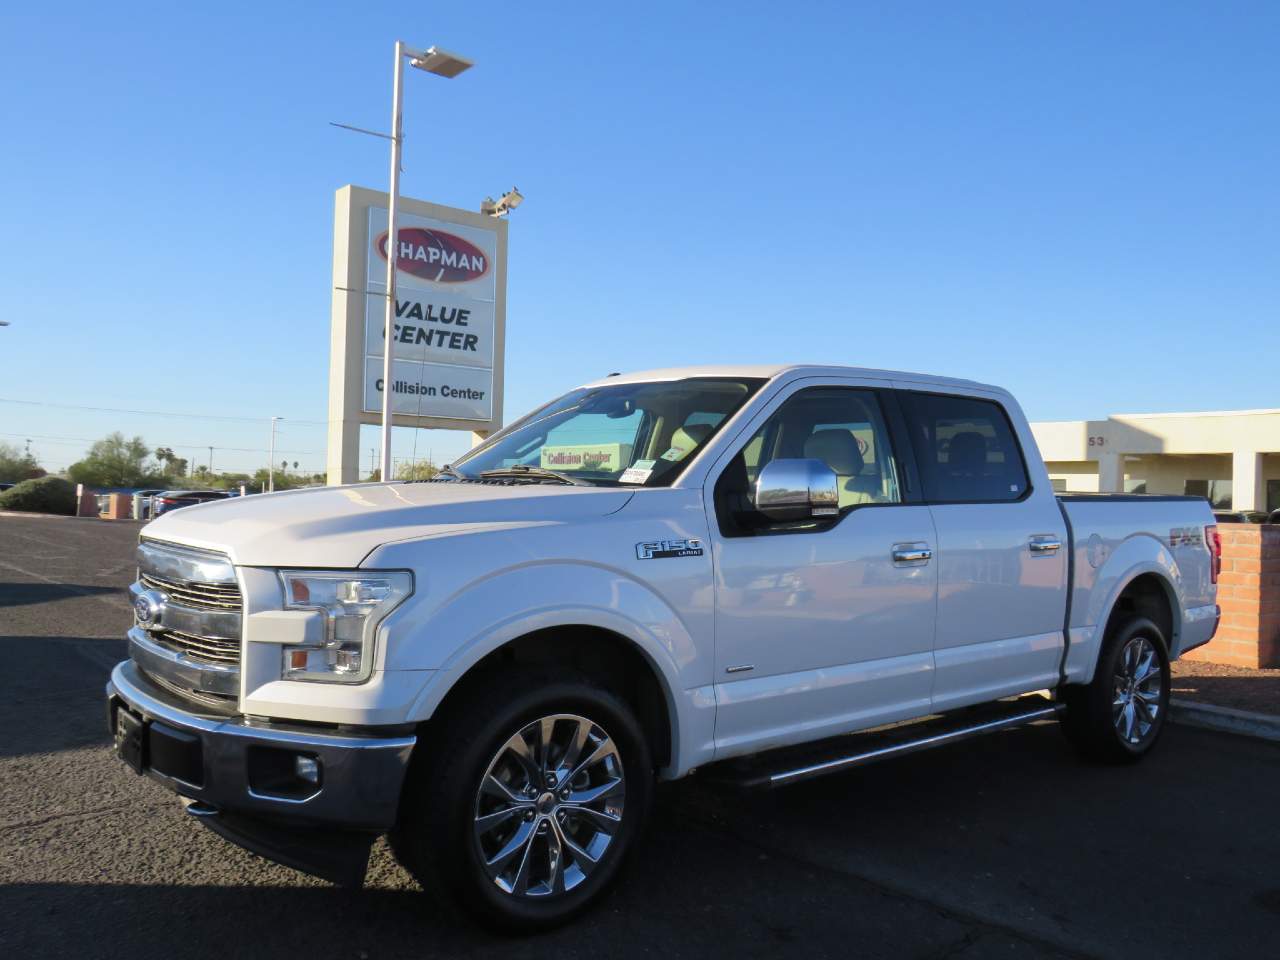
788, 490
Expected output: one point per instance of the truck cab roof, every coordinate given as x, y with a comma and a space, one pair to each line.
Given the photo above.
763, 371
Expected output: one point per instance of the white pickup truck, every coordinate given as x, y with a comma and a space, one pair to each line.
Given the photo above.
762, 573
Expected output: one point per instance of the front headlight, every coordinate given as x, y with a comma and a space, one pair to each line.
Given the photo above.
352, 603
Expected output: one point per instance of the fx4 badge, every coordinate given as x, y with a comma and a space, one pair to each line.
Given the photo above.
662, 549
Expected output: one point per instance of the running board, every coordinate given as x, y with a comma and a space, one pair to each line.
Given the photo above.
793, 764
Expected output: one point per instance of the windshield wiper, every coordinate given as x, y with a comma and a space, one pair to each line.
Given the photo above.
521, 471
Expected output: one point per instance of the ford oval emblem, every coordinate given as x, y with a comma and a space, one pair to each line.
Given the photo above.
148, 607
435, 255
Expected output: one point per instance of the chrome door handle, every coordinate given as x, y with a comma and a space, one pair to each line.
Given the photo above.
918, 553
1045, 545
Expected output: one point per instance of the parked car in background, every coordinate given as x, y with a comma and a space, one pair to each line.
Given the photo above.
6, 486
167, 500
144, 505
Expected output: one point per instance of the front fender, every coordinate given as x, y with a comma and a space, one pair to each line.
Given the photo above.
1097, 591
464, 629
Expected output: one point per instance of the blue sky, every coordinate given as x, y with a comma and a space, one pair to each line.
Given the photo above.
1077, 201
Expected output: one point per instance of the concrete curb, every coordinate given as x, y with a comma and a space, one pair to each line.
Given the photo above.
1264, 726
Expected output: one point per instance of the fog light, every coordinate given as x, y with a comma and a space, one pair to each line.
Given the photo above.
307, 768
277, 774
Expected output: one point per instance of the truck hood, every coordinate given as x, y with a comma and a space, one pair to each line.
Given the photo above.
340, 526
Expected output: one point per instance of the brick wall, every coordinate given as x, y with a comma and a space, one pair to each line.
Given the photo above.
1249, 594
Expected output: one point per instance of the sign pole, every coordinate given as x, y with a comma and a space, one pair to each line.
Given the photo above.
393, 253
271, 458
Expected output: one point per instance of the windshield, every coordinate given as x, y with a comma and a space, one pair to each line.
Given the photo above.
629, 434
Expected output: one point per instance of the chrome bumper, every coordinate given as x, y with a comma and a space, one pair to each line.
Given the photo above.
360, 776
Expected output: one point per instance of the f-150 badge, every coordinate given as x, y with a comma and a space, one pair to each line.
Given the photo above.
662, 549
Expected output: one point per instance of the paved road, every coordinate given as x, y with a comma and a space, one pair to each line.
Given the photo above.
1001, 847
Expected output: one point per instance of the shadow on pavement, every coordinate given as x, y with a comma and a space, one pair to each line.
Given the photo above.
691, 894
29, 594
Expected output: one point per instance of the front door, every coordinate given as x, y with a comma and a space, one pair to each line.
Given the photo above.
822, 627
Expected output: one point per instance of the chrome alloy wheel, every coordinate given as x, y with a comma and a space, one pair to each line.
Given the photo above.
1138, 686
549, 805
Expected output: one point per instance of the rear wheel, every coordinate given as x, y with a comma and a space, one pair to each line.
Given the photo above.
528, 810
1119, 716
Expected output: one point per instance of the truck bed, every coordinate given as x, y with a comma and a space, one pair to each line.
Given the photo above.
1107, 533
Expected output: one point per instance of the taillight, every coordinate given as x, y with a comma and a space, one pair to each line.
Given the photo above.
1213, 540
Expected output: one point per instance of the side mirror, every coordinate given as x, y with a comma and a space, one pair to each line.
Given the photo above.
789, 490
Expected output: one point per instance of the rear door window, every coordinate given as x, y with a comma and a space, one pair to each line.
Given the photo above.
965, 449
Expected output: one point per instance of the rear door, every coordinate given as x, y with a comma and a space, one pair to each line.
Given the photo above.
1001, 548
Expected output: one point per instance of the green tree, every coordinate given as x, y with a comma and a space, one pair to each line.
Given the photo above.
421, 470
17, 465
42, 495
175, 467
284, 481
116, 462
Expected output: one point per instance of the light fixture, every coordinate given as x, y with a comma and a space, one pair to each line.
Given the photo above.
504, 205
441, 62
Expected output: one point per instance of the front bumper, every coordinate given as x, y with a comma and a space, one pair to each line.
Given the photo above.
231, 764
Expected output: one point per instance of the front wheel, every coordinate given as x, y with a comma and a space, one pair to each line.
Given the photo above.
528, 809
1119, 716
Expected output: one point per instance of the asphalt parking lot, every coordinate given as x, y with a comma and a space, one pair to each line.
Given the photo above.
1001, 847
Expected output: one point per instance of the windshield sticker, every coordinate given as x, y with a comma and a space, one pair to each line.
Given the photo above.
638, 472
675, 453
600, 457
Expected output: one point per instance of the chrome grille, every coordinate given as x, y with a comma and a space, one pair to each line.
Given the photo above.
206, 648
200, 616
201, 596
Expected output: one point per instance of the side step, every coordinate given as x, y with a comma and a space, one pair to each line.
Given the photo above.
789, 765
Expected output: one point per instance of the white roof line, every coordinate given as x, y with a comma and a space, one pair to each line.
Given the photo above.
770, 371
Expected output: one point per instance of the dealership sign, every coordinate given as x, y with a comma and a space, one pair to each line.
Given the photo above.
447, 321
436, 255
442, 334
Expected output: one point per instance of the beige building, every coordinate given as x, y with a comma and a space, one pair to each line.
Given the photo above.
1232, 457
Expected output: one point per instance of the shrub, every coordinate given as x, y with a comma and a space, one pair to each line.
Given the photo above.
45, 495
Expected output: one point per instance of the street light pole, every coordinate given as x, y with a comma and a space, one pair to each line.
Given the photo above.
271, 462
393, 254
442, 64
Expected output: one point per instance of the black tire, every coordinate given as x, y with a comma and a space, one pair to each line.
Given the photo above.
1118, 717
437, 836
